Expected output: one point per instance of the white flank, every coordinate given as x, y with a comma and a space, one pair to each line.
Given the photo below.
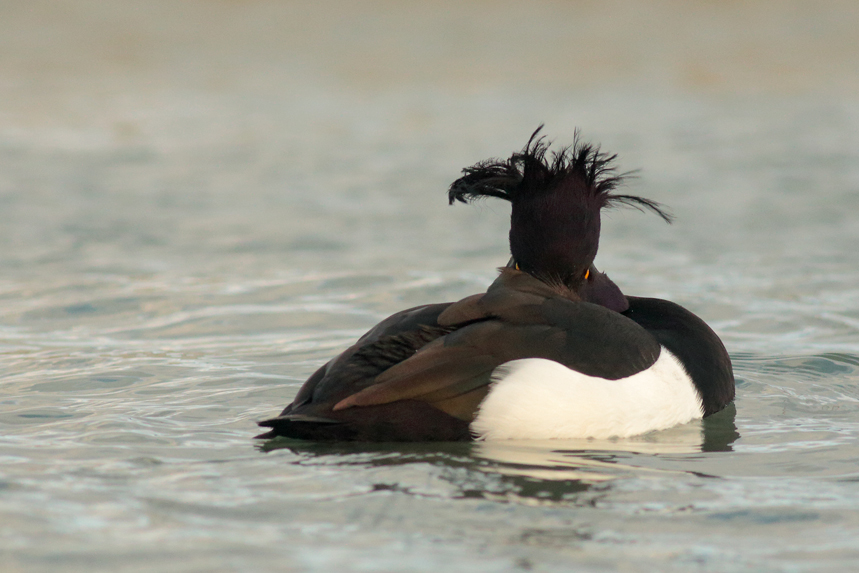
539, 399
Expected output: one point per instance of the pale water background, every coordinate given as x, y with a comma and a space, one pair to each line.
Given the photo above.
200, 202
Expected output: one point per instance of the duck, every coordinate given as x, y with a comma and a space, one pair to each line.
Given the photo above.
552, 350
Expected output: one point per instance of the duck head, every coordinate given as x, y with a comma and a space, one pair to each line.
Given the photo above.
556, 202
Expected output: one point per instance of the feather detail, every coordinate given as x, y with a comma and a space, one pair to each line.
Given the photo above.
537, 170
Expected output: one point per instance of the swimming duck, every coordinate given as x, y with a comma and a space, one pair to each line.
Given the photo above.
552, 350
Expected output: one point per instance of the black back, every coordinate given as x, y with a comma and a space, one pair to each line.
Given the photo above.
693, 342
422, 373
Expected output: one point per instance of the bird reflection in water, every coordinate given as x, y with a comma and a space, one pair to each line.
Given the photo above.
539, 471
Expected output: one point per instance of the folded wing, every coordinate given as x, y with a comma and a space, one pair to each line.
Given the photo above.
435, 362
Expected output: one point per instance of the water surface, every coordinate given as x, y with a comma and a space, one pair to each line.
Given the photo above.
201, 203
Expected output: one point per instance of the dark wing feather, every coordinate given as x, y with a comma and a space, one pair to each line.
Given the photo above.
585, 337
692, 341
389, 342
310, 416
404, 421
434, 363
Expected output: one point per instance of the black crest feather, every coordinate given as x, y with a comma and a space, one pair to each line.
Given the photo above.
535, 169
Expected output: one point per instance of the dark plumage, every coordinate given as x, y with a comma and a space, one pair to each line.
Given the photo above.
423, 373
530, 172
556, 203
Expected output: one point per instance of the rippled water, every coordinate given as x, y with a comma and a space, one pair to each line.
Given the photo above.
187, 230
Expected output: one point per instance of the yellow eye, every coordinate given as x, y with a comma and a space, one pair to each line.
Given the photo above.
517, 267
587, 274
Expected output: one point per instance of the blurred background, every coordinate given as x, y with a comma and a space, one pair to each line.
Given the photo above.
267, 125
203, 201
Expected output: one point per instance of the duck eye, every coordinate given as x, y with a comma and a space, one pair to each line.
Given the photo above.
587, 274
517, 267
